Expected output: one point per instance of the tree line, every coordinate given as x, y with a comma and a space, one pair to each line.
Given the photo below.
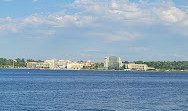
8, 63
167, 65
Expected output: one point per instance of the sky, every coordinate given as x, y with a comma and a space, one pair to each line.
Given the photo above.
148, 30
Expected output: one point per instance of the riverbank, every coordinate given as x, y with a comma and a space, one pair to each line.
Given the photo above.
175, 71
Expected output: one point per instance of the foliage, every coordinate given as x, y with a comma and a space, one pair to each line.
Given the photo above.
95, 66
31, 60
20, 63
98, 65
125, 62
119, 68
166, 65
7, 63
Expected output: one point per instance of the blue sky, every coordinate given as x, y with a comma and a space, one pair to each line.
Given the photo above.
148, 30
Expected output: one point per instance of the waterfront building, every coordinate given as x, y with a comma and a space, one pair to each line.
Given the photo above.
112, 62
52, 63
42, 65
88, 63
31, 65
37, 65
74, 66
49, 64
134, 66
62, 64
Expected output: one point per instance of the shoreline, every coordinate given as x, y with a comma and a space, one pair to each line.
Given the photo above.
97, 70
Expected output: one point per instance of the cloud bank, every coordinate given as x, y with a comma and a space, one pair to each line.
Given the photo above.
108, 21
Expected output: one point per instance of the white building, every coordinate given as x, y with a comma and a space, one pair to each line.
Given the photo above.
134, 66
74, 66
62, 64
52, 63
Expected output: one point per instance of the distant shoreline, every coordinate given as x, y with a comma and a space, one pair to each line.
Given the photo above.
97, 70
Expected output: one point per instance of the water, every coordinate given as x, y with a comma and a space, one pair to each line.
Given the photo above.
45, 90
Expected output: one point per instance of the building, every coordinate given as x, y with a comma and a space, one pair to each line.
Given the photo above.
74, 66
31, 65
88, 63
37, 65
49, 64
62, 64
134, 66
42, 65
112, 62
52, 64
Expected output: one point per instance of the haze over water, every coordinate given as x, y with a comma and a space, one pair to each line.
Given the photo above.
47, 90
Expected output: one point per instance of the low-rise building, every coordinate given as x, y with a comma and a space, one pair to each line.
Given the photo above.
62, 64
74, 66
31, 65
42, 65
88, 63
37, 65
51, 63
134, 66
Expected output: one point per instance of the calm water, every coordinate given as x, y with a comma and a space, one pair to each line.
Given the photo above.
43, 90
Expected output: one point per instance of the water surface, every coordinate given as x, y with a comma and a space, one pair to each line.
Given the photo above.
50, 90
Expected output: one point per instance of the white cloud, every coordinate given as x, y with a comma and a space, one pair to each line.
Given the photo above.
58, 21
9, 28
115, 5
120, 10
8, 25
7, 19
117, 20
108, 9
173, 15
34, 20
69, 20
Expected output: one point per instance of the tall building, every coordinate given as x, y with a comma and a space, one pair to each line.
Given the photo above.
112, 62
